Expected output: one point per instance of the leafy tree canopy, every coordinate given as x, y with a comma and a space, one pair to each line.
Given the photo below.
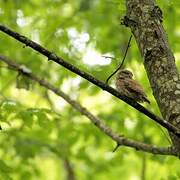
40, 130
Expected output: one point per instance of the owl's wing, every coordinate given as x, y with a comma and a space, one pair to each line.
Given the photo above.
134, 86
136, 90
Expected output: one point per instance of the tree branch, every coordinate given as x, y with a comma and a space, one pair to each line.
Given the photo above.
69, 170
61, 61
96, 121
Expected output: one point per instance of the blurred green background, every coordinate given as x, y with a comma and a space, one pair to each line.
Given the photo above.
43, 137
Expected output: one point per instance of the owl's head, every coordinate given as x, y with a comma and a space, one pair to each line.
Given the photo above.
124, 74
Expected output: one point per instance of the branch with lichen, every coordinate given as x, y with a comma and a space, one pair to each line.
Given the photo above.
53, 57
119, 139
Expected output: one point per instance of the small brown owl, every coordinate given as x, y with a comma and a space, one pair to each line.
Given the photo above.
127, 86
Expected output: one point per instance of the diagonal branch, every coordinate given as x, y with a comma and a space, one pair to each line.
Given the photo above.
121, 140
61, 61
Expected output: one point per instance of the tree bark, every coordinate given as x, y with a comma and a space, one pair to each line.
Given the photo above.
145, 20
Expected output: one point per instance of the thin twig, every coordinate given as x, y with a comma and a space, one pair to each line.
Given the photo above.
108, 57
119, 139
104, 86
120, 66
117, 146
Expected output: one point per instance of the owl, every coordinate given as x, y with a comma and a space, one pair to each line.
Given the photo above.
129, 87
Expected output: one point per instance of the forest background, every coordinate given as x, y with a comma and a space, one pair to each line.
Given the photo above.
42, 136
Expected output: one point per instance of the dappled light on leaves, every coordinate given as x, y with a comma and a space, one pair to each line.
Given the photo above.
42, 136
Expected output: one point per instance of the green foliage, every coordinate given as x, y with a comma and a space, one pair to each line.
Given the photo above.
40, 130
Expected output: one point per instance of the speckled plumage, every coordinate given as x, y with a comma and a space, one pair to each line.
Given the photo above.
127, 86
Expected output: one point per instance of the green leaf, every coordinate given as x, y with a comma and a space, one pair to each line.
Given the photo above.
26, 175
9, 106
5, 176
22, 82
27, 148
4, 167
172, 177
42, 119
27, 117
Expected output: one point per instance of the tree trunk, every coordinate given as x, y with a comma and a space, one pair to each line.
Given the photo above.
144, 19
